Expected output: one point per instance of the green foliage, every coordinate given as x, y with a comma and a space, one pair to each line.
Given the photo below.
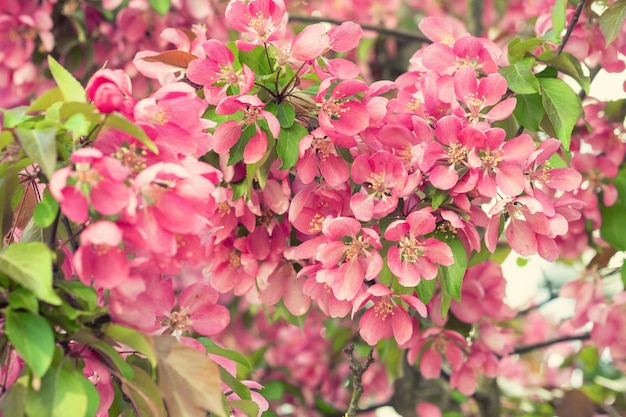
558, 21
257, 60
613, 225
520, 76
32, 337
40, 146
119, 122
46, 211
563, 109
30, 265
160, 6
453, 274
612, 20
71, 89
287, 144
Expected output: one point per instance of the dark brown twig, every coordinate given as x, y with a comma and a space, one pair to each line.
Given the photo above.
357, 369
397, 33
525, 349
572, 25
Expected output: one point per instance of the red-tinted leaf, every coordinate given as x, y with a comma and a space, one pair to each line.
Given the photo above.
179, 59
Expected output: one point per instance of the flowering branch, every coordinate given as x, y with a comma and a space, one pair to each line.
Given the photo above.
357, 369
528, 348
397, 33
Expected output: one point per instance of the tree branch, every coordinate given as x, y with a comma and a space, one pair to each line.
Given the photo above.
358, 369
396, 33
528, 348
571, 26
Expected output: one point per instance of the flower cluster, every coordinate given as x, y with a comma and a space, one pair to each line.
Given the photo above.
283, 183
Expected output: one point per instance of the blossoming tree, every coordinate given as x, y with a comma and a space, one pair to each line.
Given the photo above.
225, 209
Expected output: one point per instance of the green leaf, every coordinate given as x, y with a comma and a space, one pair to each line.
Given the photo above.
426, 290
558, 19
144, 394
446, 298
160, 6
286, 115
529, 111
30, 265
119, 122
518, 48
438, 198
613, 226
9, 182
133, 338
47, 99
562, 106
40, 146
570, 65
81, 293
78, 124
236, 152
15, 116
623, 274
249, 407
612, 20
70, 87
106, 351
46, 211
32, 337
21, 298
70, 398
92, 395
520, 76
6, 138
257, 60
13, 402
453, 274
233, 383
233, 355
287, 144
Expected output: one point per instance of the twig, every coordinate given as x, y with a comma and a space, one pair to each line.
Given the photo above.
571, 26
397, 33
357, 369
525, 349
553, 296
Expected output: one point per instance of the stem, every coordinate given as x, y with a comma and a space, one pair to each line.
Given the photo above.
358, 369
475, 17
572, 24
396, 33
553, 296
53, 233
70, 233
528, 348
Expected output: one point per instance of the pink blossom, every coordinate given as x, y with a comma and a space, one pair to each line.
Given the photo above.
482, 294
416, 257
387, 317
384, 180
216, 72
478, 95
258, 21
228, 133
100, 257
108, 89
94, 179
319, 158
348, 256
338, 112
196, 310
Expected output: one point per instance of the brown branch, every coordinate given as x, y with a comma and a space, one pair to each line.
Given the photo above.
571, 26
358, 369
528, 348
396, 33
